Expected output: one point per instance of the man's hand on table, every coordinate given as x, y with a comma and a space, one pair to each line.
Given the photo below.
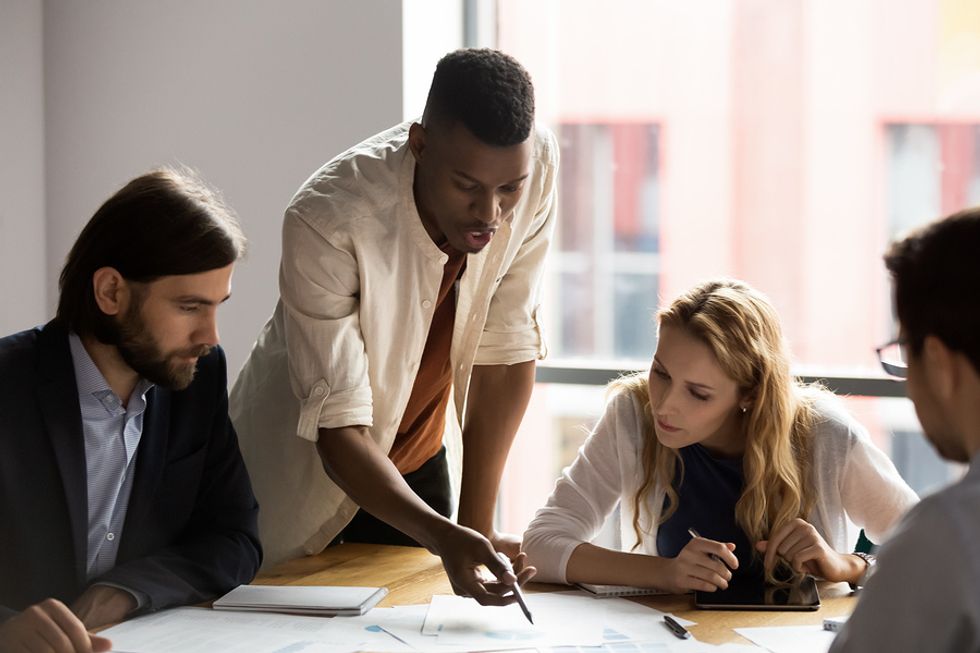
51, 627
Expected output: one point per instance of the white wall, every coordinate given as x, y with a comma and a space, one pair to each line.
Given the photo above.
254, 94
23, 276
430, 29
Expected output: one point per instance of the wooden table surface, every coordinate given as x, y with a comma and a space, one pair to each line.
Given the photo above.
413, 575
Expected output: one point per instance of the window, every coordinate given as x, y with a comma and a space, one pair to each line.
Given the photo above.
782, 142
608, 238
933, 170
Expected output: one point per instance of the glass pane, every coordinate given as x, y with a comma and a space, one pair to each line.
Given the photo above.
912, 184
577, 326
556, 424
584, 156
636, 187
973, 193
633, 317
749, 140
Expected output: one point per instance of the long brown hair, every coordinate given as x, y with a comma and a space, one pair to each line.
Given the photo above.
741, 328
165, 222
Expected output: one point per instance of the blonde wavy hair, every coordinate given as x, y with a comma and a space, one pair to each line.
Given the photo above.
741, 328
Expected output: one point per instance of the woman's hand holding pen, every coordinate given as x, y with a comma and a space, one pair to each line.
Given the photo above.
701, 565
805, 551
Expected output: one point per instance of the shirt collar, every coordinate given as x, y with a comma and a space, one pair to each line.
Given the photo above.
89, 378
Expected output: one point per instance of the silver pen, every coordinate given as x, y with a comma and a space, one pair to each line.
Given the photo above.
518, 594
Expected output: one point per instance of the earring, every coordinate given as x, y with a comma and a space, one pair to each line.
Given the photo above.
745, 409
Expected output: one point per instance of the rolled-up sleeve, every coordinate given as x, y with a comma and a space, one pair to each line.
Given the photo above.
512, 332
583, 498
328, 368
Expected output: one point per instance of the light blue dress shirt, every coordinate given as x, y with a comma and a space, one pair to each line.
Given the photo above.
112, 433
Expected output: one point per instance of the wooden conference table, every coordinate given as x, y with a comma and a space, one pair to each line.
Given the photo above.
413, 575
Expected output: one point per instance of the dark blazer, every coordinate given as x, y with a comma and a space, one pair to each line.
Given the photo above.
190, 532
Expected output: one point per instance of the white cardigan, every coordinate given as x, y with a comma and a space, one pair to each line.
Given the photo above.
853, 478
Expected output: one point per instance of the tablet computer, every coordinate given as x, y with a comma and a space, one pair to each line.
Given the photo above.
753, 594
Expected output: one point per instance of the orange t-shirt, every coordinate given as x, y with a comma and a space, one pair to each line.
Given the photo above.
424, 420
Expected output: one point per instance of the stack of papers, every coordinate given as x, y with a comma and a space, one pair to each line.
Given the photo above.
312, 600
565, 622
200, 630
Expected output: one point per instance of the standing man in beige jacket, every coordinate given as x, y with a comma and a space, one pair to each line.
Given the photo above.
407, 325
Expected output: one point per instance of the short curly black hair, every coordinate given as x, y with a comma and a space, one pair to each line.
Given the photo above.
936, 274
486, 90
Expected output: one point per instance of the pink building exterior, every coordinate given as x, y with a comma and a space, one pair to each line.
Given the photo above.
775, 159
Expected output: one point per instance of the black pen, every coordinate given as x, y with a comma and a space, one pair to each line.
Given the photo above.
518, 594
678, 630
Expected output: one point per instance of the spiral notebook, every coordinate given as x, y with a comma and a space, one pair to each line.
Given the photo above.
604, 591
293, 599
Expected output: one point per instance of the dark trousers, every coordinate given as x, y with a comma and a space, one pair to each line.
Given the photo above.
430, 482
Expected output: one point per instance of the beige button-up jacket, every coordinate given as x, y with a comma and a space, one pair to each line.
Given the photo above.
358, 280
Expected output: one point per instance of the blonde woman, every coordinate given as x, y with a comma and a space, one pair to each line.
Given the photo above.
718, 438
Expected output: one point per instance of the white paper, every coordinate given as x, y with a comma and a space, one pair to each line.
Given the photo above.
576, 620
627, 647
458, 621
701, 647
790, 639
200, 630
570, 619
638, 622
686, 646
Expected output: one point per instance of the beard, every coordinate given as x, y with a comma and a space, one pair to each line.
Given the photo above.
140, 350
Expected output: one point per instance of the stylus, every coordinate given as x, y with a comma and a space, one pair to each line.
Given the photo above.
694, 533
518, 594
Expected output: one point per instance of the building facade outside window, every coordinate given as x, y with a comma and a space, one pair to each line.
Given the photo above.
783, 142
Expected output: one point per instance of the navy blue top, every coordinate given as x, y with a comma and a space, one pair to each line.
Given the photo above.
706, 502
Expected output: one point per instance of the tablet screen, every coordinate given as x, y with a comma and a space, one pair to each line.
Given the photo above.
752, 594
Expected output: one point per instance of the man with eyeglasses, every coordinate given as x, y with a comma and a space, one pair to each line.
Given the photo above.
925, 596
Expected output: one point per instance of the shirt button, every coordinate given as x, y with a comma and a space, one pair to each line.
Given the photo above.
426, 303
318, 391
110, 536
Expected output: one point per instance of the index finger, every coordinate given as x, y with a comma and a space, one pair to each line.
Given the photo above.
502, 569
775, 540
100, 644
719, 551
726, 556
493, 593
69, 624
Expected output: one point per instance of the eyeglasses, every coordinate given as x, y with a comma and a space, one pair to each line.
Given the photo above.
892, 357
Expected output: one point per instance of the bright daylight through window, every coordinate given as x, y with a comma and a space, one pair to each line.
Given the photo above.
783, 142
